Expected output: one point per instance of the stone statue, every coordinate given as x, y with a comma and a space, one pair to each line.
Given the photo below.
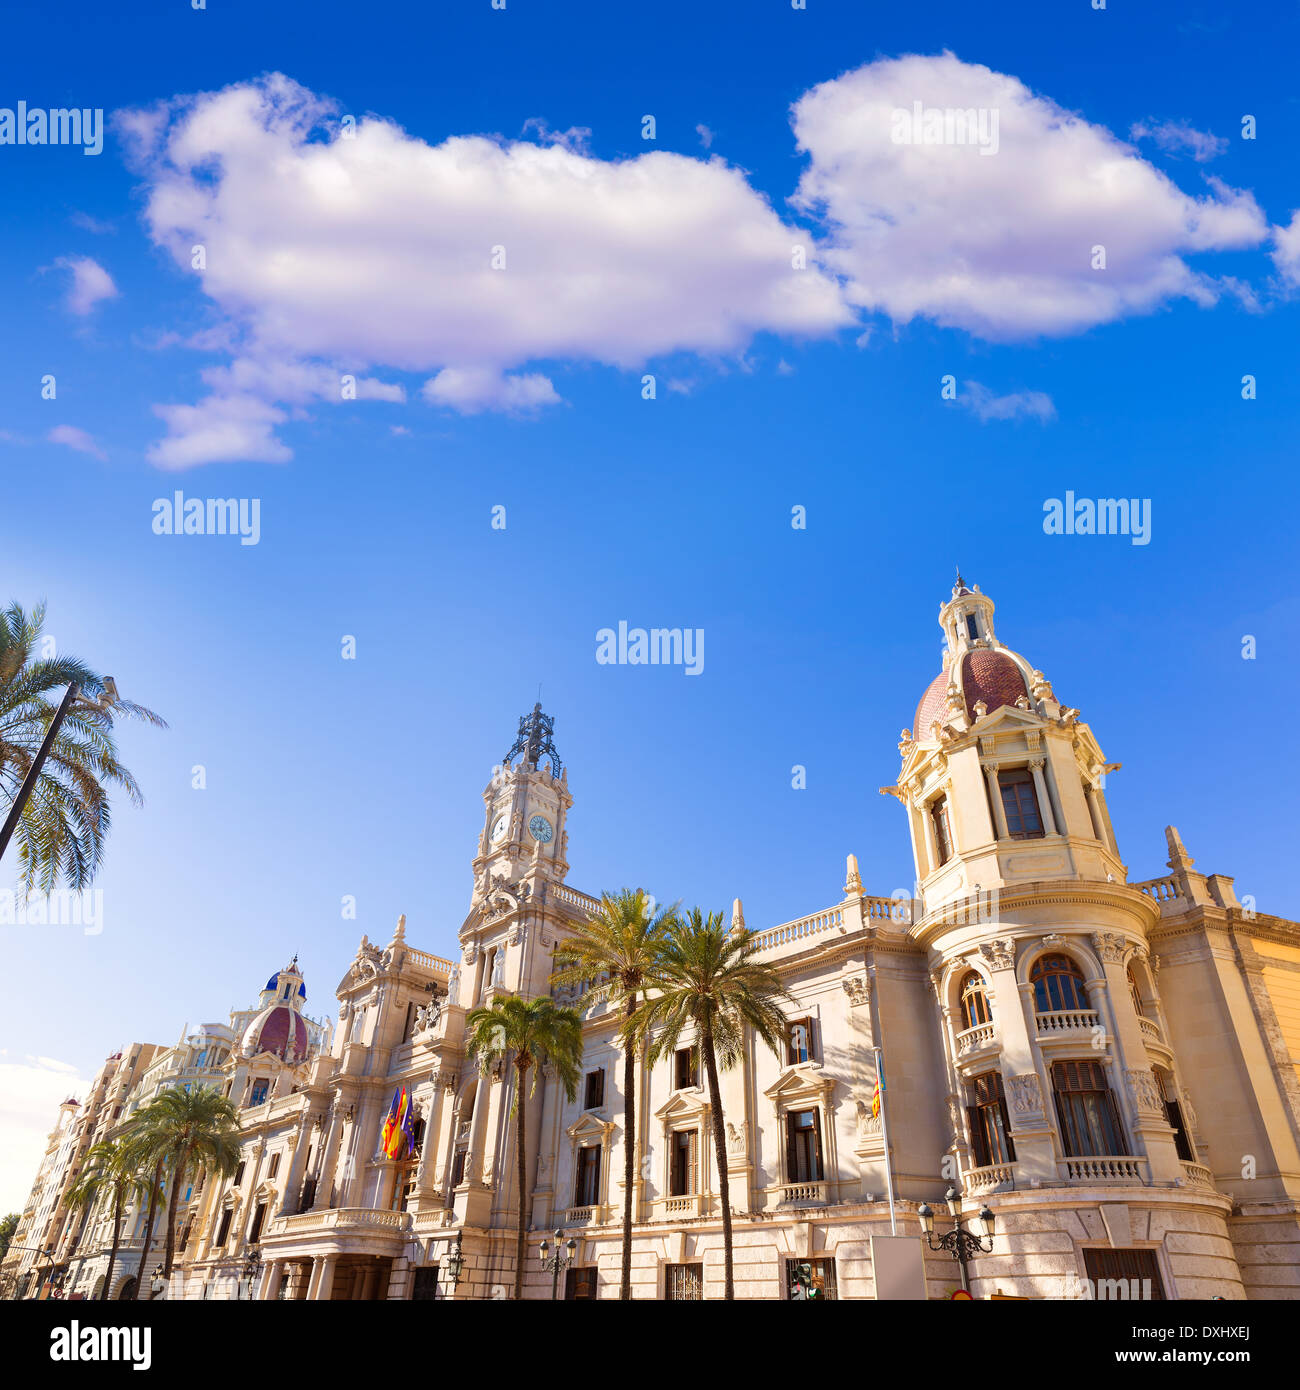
499, 967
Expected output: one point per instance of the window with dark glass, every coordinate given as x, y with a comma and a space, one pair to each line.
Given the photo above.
1135, 992
255, 1230
586, 1188
686, 1068
239, 1174
580, 1282
224, 1229
275, 1166
972, 627
990, 1126
409, 1026
1138, 1270
800, 1045
1085, 1107
684, 1152
1058, 985
803, 1147
425, 1286
1174, 1114
458, 1168
595, 1096
942, 829
259, 1092
1020, 804
974, 1001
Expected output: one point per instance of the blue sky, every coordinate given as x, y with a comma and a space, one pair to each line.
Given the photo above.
328, 777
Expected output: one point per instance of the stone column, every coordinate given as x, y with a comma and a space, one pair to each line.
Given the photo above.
298, 1163
1044, 801
995, 798
271, 1278
325, 1278
329, 1158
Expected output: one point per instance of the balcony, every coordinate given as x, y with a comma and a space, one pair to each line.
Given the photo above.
993, 1178
684, 1207
1112, 1168
1151, 1029
976, 1039
581, 1216
1198, 1175
341, 1219
803, 1194
1067, 1021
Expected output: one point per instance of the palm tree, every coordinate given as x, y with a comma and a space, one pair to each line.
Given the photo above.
613, 954
63, 828
706, 976
530, 1032
111, 1171
184, 1129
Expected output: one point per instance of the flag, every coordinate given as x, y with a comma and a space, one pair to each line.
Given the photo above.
877, 1093
397, 1138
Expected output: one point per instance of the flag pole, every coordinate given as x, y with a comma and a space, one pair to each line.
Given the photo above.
884, 1133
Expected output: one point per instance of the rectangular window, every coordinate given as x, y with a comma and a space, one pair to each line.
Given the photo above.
803, 1147
684, 1283
990, 1127
308, 1195
426, 1284
409, 1025
580, 1283
595, 1096
458, 1168
799, 1047
807, 1279
1085, 1107
1174, 1114
942, 829
224, 1229
685, 1149
255, 1230
275, 1166
259, 1092
686, 1068
586, 1188
1020, 804
239, 1174
1123, 1274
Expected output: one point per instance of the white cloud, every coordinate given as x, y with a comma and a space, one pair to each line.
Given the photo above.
986, 406
76, 439
706, 136
31, 1091
377, 251
91, 284
1286, 250
220, 429
999, 244
1177, 137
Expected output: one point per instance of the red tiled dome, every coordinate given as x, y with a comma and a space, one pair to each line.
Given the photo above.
280, 1030
932, 706
990, 676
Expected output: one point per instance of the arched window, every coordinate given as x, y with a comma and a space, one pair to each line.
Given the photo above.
1058, 985
974, 1002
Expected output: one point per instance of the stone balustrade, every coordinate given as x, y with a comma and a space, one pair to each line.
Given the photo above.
1067, 1020
1110, 1168
974, 1039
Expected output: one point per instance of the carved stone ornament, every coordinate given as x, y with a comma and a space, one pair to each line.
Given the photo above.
1026, 1094
1110, 946
858, 990
1145, 1091
736, 1138
1000, 953
867, 1122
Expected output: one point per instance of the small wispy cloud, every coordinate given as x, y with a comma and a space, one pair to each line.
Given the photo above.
91, 284
74, 438
985, 405
1286, 251
1177, 138
705, 134
90, 224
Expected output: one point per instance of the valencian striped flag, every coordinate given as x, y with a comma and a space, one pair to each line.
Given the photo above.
877, 1093
397, 1138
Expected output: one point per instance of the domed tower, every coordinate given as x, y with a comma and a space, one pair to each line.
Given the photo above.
279, 1027
1036, 945
1002, 783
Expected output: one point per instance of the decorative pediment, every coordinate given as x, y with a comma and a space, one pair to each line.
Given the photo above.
804, 1081
691, 1104
1008, 719
590, 1128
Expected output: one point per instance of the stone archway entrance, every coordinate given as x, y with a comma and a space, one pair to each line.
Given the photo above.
361, 1279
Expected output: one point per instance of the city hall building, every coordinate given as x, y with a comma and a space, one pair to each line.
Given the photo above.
1109, 1066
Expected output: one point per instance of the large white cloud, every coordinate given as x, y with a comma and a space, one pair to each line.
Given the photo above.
999, 244
370, 248
31, 1089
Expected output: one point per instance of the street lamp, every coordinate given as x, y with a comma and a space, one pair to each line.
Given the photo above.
960, 1243
559, 1260
252, 1267
455, 1262
157, 1284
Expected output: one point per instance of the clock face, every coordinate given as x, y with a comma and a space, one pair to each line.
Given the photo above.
499, 827
540, 829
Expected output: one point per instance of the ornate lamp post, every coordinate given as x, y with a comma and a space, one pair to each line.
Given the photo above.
960, 1243
252, 1268
455, 1262
559, 1260
157, 1284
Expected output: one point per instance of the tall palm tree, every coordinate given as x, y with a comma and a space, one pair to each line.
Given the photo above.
63, 827
528, 1032
613, 953
706, 976
186, 1129
111, 1172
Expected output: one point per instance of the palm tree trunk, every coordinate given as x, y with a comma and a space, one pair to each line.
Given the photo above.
117, 1240
521, 1130
148, 1227
629, 1155
173, 1201
720, 1149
